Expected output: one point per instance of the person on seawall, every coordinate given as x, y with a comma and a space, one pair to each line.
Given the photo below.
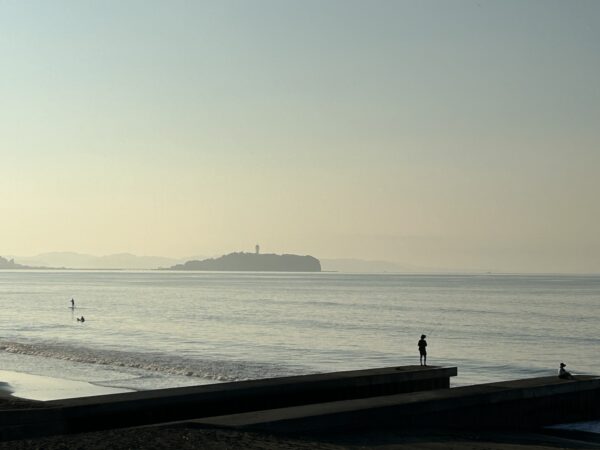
422, 344
563, 373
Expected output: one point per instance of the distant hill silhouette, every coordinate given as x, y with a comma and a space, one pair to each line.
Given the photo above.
254, 262
11, 264
73, 260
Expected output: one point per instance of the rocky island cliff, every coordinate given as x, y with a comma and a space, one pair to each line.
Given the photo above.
254, 262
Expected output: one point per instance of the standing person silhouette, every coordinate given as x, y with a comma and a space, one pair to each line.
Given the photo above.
72, 303
422, 350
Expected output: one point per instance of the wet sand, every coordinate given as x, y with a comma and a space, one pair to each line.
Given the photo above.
44, 388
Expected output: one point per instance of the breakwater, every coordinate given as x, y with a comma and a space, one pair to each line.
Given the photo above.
392, 398
177, 404
514, 405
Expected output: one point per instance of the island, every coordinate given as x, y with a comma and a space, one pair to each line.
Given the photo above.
254, 262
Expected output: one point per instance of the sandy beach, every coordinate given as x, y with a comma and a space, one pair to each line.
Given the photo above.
43, 388
214, 439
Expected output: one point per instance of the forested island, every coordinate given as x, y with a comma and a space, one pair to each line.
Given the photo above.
254, 262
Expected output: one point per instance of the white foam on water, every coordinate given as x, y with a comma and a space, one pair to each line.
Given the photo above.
125, 370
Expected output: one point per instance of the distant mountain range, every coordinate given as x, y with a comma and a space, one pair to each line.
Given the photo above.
70, 260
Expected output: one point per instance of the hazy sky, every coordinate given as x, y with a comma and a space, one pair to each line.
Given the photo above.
455, 134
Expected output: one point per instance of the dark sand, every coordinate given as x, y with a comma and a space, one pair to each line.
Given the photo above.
190, 437
214, 439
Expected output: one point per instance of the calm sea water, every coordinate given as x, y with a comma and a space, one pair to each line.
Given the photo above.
147, 330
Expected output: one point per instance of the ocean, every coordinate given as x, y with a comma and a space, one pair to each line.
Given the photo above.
155, 329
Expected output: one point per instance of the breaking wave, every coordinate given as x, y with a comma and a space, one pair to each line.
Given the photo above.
159, 363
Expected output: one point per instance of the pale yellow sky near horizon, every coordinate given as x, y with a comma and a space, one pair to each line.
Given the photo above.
458, 135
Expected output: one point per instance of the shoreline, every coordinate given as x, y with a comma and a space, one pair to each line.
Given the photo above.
29, 387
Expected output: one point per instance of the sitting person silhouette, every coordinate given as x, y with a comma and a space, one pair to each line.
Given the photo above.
82, 319
564, 373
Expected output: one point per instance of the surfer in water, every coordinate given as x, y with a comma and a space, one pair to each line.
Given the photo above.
82, 319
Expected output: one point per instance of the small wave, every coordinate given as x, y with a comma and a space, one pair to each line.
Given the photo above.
217, 370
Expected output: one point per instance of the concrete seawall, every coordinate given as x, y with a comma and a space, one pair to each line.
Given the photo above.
520, 404
392, 398
167, 405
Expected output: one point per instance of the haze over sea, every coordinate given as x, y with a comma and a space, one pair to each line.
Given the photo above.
153, 329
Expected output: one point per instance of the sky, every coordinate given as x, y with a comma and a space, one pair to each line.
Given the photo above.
461, 135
